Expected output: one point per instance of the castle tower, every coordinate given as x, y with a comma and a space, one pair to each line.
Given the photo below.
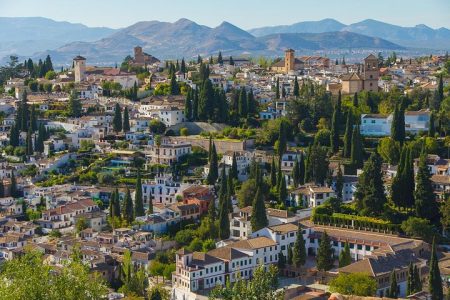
79, 65
370, 73
138, 55
289, 60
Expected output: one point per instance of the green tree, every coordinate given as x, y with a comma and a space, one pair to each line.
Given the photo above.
138, 203
296, 87
33, 119
393, 289
339, 183
174, 88
358, 284
357, 151
158, 292
259, 215
126, 120
389, 150
344, 257
335, 123
273, 174
243, 105
81, 224
410, 284
281, 260
117, 119
13, 189
282, 191
434, 276
398, 124
296, 173
277, 89
369, 195
28, 277
127, 211
29, 143
213, 166
219, 58
74, 107
325, 260
188, 105
290, 255
316, 168
302, 169
355, 100
299, 251
234, 170
425, 202
224, 221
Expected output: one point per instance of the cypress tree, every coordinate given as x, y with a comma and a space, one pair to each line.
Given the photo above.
188, 105
243, 103
339, 183
299, 251
296, 173
355, 100
24, 112
224, 221
393, 289
14, 136
128, 210
431, 129
219, 58
212, 210
324, 257
425, 202
174, 88
14, 192
410, 285
289, 255
417, 280
29, 143
231, 61
195, 105
206, 101
302, 169
282, 191
308, 165
398, 124
259, 216
283, 92
230, 193
126, 120
281, 260
213, 166
41, 138
2, 189
345, 257
334, 137
434, 276
408, 175
356, 155
369, 195
282, 141
440, 91
183, 66
199, 59
117, 119
348, 135
296, 88
277, 89
33, 120
398, 183
74, 107
117, 208
234, 170
251, 103
273, 173
138, 203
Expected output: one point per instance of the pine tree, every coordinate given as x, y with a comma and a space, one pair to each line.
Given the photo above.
138, 203
299, 251
296, 87
234, 170
174, 88
369, 195
117, 119
324, 257
393, 289
213, 166
127, 212
259, 215
425, 202
126, 120
339, 183
356, 155
188, 105
345, 257
277, 89
434, 276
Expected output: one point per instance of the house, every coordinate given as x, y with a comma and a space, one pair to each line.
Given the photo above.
243, 160
376, 124
200, 195
349, 187
163, 189
417, 121
168, 152
311, 195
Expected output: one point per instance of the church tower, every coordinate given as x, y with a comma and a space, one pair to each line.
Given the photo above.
79, 66
289, 60
370, 73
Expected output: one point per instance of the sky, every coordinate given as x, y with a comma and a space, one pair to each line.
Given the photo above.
246, 14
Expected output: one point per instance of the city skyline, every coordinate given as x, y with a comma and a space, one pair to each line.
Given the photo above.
214, 13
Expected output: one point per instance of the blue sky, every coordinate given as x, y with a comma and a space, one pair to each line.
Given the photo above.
243, 13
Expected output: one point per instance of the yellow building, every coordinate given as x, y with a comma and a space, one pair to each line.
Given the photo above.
288, 64
365, 81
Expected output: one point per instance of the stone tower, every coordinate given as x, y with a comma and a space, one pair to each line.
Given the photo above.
79, 66
289, 60
370, 73
138, 55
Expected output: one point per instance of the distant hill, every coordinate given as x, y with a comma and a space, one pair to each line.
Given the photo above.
419, 36
185, 38
27, 35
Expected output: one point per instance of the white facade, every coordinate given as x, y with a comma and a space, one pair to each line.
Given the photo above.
167, 153
162, 190
376, 125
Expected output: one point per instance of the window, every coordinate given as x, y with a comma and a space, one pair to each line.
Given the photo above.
359, 247
367, 248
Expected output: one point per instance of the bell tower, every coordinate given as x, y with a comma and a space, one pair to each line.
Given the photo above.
289, 60
79, 65
370, 73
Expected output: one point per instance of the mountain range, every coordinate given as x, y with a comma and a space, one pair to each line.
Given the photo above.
419, 36
37, 37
